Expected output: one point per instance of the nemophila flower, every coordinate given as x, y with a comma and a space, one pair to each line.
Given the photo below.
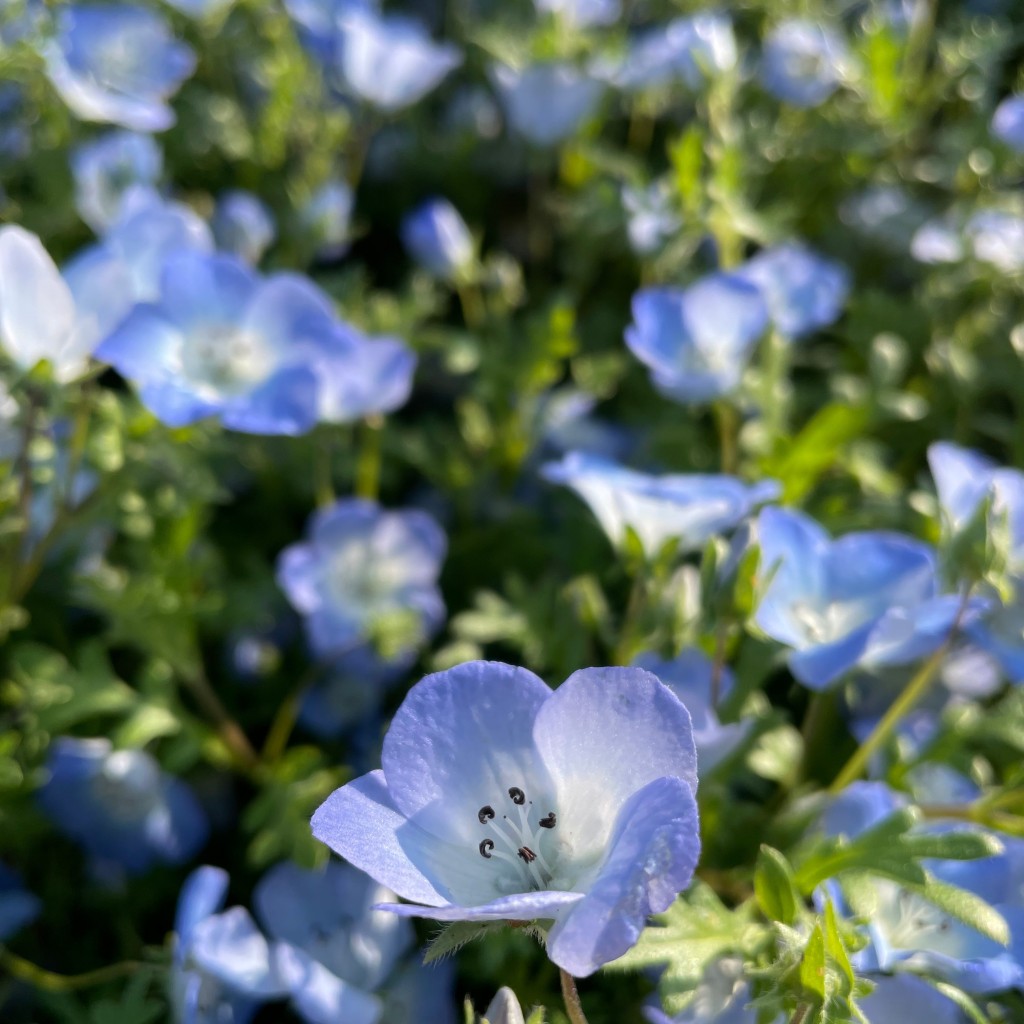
997, 237
1008, 122
546, 103
651, 217
504, 1008
334, 949
723, 996
866, 599
437, 238
901, 998
223, 968
697, 341
117, 63
243, 226
803, 62
563, 420
327, 217
105, 168
937, 241
582, 13
500, 800
690, 676
349, 694
120, 806
858, 808
390, 62
43, 315
804, 291
687, 507
18, 907
365, 574
690, 50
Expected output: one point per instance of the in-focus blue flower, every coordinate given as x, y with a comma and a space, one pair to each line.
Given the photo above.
500, 800
804, 291
689, 675
327, 217
436, 236
652, 217
390, 62
687, 507
1008, 122
582, 13
697, 341
997, 238
722, 997
105, 168
691, 50
223, 968
867, 599
361, 567
803, 62
243, 226
334, 949
120, 806
546, 103
117, 63
44, 315
18, 907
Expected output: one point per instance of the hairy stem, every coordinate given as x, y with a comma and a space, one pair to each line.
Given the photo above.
571, 997
25, 970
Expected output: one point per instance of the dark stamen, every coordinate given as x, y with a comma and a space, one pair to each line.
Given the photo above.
527, 854
518, 796
549, 821
486, 845
485, 814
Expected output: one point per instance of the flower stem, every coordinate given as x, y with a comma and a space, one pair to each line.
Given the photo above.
229, 731
573, 1007
905, 702
25, 970
368, 464
728, 422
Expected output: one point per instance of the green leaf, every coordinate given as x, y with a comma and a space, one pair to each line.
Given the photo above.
952, 845
965, 906
812, 964
452, 937
834, 945
962, 999
774, 886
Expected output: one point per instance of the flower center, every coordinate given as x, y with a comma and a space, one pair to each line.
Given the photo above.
514, 839
226, 359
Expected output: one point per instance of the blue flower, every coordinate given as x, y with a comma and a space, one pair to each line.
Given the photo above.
390, 62
997, 238
687, 507
500, 800
350, 694
334, 948
937, 241
652, 217
803, 63
546, 103
902, 998
723, 996
691, 50
327, 217
106, 168
117, 63
18, 907
583, 13
120, 806
867, 599
858, 808
689, 676
243, 226
223, 968
1008, 122
437, 237
696, 342
44, 315
804, 292
362, 568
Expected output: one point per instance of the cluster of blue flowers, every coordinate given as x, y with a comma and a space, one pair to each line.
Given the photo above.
313, 314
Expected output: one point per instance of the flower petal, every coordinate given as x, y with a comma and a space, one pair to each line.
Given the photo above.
653, 854
604, 734
320, 996
359, 821
523, 906
459, 741
202, 894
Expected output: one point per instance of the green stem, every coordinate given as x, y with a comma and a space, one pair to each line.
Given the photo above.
368, 464
472, 302
624, 648
800, 1015
728, 423
230, 732
25, 970
322, 473
571, 997
905, 702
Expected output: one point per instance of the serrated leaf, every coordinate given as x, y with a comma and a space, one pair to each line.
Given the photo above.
452, 937
774, 886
